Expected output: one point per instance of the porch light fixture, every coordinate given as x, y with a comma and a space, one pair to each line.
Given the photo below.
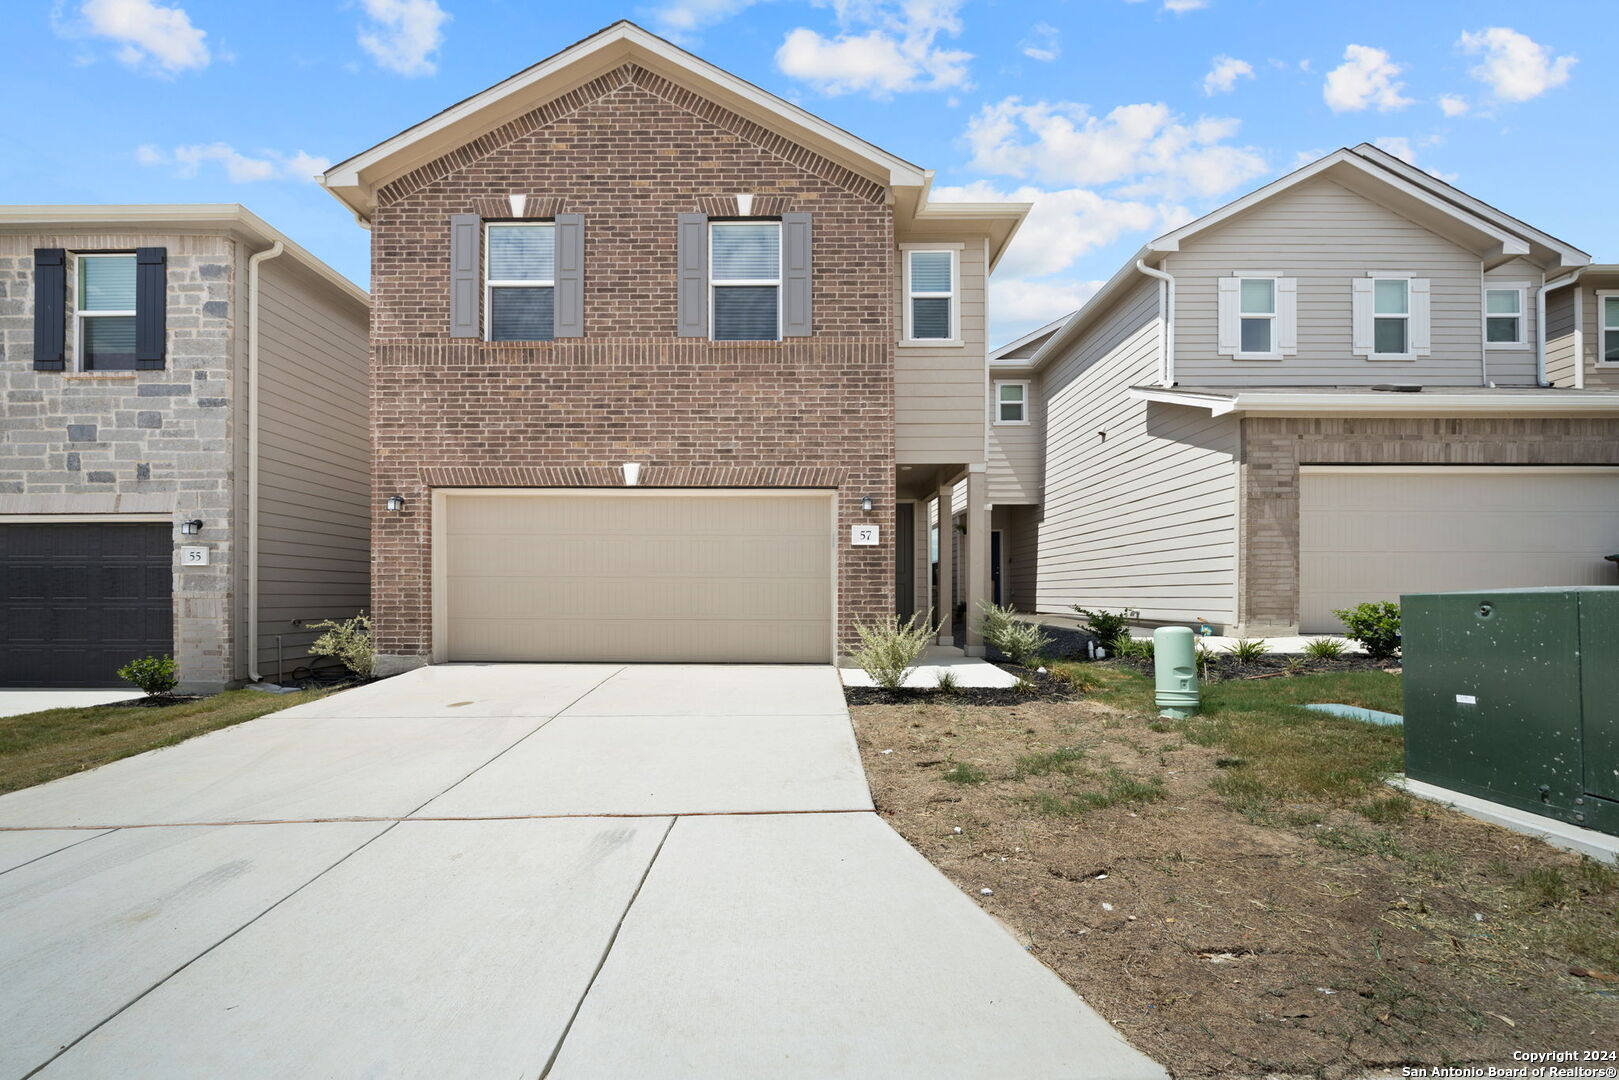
866, 504
190, 528
396, 503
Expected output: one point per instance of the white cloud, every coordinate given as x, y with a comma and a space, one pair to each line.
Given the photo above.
1365, 78
403, 35
897, 52
239, 168
1043, 43
1453, 104
1223, 75
1180, 7
1304, 157
1515, 67
1399, 146
681, 18
1145, 147
150, 35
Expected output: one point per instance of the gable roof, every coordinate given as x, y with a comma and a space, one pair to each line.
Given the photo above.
1375, 175
1033, 337
355, 181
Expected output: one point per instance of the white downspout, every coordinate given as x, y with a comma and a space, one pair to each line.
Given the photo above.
1540, 330
1166, 327
253, 456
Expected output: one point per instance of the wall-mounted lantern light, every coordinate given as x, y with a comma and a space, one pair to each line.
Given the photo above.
190, 528
866, 504
396, 503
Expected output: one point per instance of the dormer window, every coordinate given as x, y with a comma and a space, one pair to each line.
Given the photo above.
521, 281
745, 280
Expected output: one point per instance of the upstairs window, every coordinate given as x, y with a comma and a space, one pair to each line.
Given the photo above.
1503, 315
745, 280
930, 295
1011, 403
1391, 317
520, 279
1258, 314
1610, 326
105, 313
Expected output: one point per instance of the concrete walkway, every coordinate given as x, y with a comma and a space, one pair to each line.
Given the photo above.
518, 870
973, 671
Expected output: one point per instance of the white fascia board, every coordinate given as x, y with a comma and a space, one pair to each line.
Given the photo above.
1509, 244
616, 44
1384, 403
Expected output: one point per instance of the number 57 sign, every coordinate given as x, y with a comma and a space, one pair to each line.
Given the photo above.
863, 535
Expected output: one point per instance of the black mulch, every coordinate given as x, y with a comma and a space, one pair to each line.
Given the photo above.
1043, 686
160, 701
1225, 668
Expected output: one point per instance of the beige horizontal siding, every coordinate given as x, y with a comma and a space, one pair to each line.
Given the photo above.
1515, 366
1562, 348
939, 392
1598, 376
1325, 235
314, 462
1144, 518
1014, 453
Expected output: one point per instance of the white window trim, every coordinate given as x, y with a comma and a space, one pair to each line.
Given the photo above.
79, 314
954, 296
1602, 327
1522, 289
714, 282
1275, 315
1382, 275
995, 416
489, 285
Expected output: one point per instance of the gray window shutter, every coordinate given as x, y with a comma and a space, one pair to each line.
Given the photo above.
50, 308
466, 235
692, 254
797, 264
570, 276
151, 306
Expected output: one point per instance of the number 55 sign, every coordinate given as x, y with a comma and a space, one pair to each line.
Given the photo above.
863, 535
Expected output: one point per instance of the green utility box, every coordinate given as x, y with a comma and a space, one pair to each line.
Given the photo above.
1513, 696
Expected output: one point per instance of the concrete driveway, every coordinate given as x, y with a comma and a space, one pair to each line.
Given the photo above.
514, 870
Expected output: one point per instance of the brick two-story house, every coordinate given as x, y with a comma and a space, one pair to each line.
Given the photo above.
664, 368
1354, 382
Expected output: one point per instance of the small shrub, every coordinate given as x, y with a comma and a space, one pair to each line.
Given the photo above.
1324, 648
153, 674
947, 683
1107, 626
966, 774
1247, 650
1203, 654
347, 641
889, 649
1376, 625
1128, 648
1022, 642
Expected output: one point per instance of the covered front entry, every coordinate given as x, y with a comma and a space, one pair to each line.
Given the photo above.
1374, 532
665, 575
80, 600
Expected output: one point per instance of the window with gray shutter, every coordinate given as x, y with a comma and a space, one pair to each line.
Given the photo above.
797, 271
570, 276
522, 278
745, 272
691, 256
50, 309
466, 234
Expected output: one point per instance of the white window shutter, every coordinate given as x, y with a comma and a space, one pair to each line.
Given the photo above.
1421, 334
1287, 315
1230, 327
1361, 315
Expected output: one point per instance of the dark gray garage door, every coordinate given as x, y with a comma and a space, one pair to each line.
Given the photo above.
78, 601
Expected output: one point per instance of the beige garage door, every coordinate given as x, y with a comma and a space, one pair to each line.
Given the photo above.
647, 576
1372, 534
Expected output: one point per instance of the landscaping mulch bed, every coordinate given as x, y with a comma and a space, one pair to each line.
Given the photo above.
1297, 937
1042, 686
1223, 667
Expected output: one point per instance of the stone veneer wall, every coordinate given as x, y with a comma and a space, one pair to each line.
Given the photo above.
147, 442
630, 151
1274, 448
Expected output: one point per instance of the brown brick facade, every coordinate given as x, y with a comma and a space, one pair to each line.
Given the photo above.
630, 151
1274, 448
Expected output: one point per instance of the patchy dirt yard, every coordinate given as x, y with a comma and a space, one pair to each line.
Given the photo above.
1239, 893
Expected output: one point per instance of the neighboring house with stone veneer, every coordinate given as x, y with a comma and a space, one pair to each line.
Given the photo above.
665, 368
1335, 389
133, 340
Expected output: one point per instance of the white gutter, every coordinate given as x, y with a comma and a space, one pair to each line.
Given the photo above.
1540, 330
253, 456
1166, 325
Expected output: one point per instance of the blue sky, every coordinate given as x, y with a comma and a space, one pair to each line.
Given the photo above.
1119, 118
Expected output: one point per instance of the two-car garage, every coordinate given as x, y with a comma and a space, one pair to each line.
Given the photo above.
1375, 532
655, 574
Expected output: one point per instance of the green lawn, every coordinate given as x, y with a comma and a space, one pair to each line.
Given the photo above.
36, 747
